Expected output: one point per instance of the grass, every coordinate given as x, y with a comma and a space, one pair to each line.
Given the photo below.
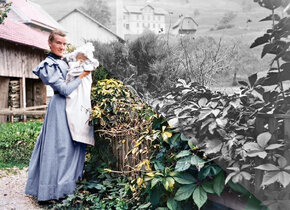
12, 165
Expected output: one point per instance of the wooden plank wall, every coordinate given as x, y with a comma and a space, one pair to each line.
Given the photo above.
16, 59
4, 87
35, 93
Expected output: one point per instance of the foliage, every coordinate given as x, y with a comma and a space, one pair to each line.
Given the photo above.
17, 141
225, 21
145, 50
180, 177
4, 9
104, 192
99, 10
275, 43
114, 57
116, 111
205, 57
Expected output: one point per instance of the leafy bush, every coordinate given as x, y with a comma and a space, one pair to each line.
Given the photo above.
114, 58
225, 21
17, 141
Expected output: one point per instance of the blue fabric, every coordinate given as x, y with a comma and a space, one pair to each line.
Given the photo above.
57, 161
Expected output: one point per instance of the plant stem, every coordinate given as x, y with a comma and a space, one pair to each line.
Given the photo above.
279, 77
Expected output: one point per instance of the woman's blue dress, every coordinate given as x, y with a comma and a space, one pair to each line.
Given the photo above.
57, 161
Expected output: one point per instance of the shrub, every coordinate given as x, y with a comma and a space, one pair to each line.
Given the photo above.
17, 141
114, 58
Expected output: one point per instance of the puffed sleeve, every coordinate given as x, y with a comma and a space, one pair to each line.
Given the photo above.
50, 74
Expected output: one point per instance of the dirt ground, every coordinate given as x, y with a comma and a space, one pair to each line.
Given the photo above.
12, 185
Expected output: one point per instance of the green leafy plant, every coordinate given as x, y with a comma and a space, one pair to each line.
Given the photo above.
4, 9
17, 141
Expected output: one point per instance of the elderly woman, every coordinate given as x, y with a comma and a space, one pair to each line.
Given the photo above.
57, 161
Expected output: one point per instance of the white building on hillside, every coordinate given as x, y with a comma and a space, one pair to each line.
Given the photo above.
139, 19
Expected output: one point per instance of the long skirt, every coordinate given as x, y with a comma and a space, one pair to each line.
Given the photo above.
57, 161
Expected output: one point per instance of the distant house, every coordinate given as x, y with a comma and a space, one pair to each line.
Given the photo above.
184, 26
81, 27
23, 41
136, 20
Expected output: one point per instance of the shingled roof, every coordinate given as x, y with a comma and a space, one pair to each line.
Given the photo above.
23, 34
28, 24
33, 14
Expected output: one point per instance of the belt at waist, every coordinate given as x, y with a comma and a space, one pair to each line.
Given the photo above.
55, 92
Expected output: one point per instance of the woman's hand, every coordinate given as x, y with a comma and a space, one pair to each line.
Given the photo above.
84, 74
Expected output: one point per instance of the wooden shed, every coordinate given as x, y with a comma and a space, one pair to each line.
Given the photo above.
23, 45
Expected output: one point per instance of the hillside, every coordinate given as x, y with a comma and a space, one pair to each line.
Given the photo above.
206, 13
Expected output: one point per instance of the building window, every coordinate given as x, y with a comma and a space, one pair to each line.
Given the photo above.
153, 25
127, 26
138, 25
143, 25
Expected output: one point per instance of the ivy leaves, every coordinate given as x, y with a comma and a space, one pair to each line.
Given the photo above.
275, 173
260, 147
199, 192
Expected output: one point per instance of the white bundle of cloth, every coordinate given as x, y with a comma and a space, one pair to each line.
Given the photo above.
78, 103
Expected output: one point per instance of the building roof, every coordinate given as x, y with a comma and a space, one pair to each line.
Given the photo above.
136, 9
93, 20
23, 34
33, 14
185, 23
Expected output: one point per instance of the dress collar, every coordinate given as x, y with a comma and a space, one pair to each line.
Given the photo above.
54, 55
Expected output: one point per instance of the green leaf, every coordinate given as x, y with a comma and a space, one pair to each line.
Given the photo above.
230, 176
270, 4
270, 18
267, 167
184, 192
208, 187
183, 164
252, 79
261, 40
202, 102
203, 114
184, 178
155, 181
274, 146
183, 153
199, 196
213, 146
183, 137
171, 204
282, 162
219, 183
238, 188
208, 170
175, 139
197, 161
263, 139
168, 184
145, 206
275, 176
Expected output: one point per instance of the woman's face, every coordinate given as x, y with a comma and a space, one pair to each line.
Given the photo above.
57, 46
